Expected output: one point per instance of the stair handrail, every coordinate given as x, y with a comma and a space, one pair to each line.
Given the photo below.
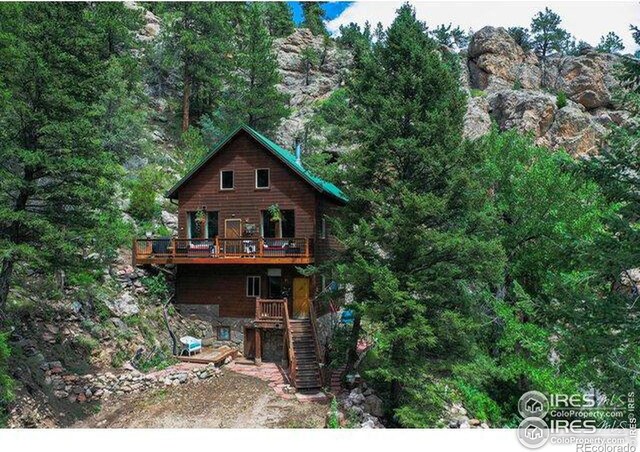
292, 356
314, 330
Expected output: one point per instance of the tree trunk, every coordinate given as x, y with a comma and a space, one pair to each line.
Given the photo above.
6, 271
186, 96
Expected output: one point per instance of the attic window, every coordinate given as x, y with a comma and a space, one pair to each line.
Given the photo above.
226, 180
262, 178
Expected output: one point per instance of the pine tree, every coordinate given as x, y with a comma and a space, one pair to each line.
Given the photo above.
547, 35
199, 38
279, 18
547, 218
610, 43
611, 324
56, 171
252, 96
521, 36
314, 18
448, 36
413, 230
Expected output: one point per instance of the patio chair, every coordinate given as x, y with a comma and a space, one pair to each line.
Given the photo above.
190, 345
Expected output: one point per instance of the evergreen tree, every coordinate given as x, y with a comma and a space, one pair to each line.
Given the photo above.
200, 41
610, 43
617, 171
448, 36
252, 96
413, 230
310, 58
521, 36
279, 18
314, 18
56, 171
548, 218
547, 35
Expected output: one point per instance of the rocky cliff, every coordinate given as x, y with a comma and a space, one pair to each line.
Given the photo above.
305, 92
506, 84
518, 91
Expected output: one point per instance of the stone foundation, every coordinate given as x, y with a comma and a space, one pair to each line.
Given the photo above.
272, 344
210, 313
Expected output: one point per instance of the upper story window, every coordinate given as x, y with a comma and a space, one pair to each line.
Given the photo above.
226, 180
323, 228
262, 178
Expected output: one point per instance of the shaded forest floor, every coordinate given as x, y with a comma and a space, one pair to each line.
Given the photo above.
231, 401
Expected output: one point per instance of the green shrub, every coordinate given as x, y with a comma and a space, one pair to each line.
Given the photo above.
334, 420
6, 383
86, 343
479, 404
156, 286
143, 205
478, 93
119, 358
517, 85
158, 360
561, 99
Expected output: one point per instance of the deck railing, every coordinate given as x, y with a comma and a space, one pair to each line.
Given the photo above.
220, 248
270, 310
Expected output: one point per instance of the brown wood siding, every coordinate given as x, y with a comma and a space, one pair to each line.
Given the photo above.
244, 155
325, 248
225, 286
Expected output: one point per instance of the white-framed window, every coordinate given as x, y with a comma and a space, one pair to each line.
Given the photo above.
263, 178
323, 228
226, 180
253, 286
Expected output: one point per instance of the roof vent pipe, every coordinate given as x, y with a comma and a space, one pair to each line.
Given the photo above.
299, 154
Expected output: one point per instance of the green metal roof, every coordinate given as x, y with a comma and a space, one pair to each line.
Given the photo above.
287, 157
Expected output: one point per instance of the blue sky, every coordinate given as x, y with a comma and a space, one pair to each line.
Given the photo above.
332, 10
586, 20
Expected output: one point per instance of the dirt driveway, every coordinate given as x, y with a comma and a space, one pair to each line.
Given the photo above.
229, 401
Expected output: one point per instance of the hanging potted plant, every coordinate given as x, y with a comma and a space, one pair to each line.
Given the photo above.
275, 214
201, 218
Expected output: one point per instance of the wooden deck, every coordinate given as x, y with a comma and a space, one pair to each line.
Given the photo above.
244, 251
210, 355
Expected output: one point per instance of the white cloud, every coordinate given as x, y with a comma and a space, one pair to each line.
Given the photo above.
587, 21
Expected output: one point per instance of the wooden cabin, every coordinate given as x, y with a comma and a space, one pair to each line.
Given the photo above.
249, 215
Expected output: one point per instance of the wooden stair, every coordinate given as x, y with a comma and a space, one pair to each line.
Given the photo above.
307, 373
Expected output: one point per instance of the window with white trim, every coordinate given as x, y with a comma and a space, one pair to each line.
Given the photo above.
262, 178
253, 286
226, 180
323, 228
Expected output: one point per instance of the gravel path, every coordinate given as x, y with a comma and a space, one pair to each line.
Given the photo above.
230, 401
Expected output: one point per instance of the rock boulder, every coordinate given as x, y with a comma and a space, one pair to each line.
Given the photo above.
496, 62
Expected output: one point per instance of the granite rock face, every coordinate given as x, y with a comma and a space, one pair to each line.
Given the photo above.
518, 91
586, 79
306, 91
496, 62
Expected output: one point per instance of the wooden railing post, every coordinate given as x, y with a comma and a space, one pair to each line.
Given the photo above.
260, 246
289, 335
316, 341
134, 253
174, 246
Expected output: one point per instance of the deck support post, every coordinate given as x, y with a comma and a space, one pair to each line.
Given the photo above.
258, 344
